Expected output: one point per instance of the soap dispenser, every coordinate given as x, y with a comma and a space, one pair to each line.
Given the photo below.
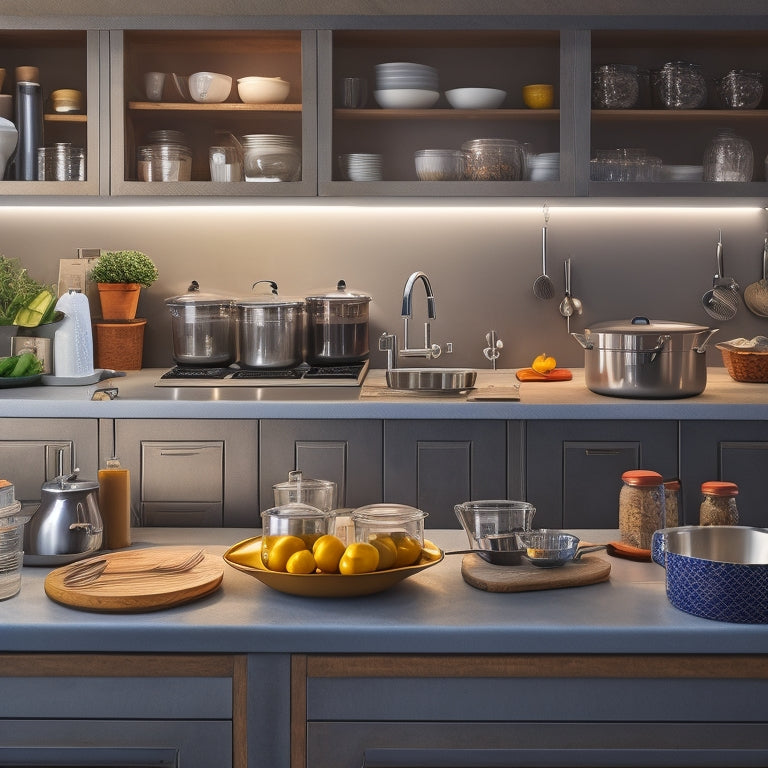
115, 504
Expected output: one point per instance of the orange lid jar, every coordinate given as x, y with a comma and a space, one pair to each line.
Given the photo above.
641, 507
718, 503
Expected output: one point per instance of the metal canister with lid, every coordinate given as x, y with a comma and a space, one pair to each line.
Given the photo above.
718, 503
641, 507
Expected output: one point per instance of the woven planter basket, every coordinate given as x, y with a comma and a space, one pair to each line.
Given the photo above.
746, 365
118, 346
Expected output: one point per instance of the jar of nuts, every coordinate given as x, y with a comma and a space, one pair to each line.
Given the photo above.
718, 503
671, 503
493, 160
641, 507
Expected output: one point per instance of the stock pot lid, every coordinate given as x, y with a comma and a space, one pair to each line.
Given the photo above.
194, 297
340, 293
270, 299
640, 325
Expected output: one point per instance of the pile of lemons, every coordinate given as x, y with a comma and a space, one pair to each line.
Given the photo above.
329, 554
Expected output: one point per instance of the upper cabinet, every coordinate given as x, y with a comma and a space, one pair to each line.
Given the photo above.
68, 124
382, 100
161, 141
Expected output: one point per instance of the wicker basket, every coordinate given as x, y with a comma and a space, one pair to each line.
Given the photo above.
745, 365
117, 345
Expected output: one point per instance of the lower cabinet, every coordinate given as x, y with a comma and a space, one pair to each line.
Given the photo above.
104, 710
548, 711
725, 450
574, 468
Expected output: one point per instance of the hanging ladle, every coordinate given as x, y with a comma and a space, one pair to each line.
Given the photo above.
756, 294
722, 300
569, 305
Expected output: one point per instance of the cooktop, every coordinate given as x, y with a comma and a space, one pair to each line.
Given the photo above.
304, 375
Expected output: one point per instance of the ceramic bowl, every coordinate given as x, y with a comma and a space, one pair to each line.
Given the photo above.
263, 90
439, 164
475, 98
67, 100
209, 87
406, 98
539, 96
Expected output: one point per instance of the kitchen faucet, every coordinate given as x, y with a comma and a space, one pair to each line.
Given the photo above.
429, 351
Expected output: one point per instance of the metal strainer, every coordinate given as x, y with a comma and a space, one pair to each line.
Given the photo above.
722, 300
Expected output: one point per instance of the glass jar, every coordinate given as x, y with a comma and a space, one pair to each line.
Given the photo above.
739, 89
671, 503
295, 520
615, 86
271, 157
728, 157
641, 507
493, 160
395, 526
164, 162
718, 503
680, 85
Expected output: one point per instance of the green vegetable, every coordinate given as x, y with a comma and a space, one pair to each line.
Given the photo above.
124, 267
35, 311
17, 289
7, 364
16, 366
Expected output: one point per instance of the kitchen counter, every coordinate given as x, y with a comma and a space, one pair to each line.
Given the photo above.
434, 611
722, 399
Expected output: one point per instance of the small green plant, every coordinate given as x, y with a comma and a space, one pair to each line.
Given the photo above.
124, 267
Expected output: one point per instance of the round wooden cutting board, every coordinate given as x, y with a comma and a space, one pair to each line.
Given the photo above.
527, 578
129, 586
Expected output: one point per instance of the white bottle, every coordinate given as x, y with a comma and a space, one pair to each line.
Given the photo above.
73, 340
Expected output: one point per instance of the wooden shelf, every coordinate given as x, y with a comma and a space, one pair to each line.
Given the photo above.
188, 106
54, 117
447, 114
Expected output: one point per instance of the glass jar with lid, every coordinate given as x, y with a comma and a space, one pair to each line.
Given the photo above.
641, 507
671, 503
728, 157
740, 89
718, 503
615, 86
493, 160
680, 85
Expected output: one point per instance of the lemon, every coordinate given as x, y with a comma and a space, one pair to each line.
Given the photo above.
328, 551
301, 562
279, 550
359, 557
408, 551
387, 551
544, 363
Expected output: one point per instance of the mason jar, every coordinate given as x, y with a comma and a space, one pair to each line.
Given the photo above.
641, 507
728, 157
718, 503
680, 85
615, 86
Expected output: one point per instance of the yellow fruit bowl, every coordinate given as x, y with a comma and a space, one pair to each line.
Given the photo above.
245, 556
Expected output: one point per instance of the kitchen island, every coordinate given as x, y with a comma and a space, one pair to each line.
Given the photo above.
432, 665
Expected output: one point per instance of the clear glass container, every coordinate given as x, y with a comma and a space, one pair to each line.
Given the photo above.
439, 164
271, 157
61, 162
493, 160
615, 86
718, 503
164, 162
671, 503
394, 524
680, 85
728, 157
301, 520
322, 494
641, 507
740, 89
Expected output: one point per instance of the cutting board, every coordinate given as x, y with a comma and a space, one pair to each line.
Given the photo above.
138, 590
527, 578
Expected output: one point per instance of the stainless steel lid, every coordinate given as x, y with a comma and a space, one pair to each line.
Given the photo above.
640, 333
340, 293
271, 299
196, 298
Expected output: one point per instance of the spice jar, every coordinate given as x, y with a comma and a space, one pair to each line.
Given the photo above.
728, 157
615, 86
671, 503
718, 503
641, 507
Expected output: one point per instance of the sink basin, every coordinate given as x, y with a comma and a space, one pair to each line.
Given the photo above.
431, 379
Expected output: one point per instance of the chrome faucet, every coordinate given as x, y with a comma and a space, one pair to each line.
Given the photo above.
429, 351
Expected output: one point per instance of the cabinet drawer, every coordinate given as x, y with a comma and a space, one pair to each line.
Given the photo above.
182, 471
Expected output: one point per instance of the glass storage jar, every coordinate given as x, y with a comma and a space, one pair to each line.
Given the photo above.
680, 85
271, 157
615, 86
739, 89
728, 157
671, 503
493, 160
718, 503
641, 507
164, 162
396, 527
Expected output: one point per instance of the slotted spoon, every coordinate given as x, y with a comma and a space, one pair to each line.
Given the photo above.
722, 300
543, 287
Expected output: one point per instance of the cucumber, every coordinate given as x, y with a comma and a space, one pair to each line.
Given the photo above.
23, 365
7, 364
32, 314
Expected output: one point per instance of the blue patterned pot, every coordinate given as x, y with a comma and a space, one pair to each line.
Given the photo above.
717, 572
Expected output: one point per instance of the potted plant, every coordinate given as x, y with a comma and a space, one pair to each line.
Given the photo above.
120, 275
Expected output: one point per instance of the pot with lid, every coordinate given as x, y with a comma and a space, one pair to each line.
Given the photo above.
203, 328
645, 359
338, 326
270, 330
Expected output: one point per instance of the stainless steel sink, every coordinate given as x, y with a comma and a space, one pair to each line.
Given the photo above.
431, 379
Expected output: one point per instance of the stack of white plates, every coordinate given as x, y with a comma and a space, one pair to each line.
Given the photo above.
361, 167
544, 167
682, 173
403, 85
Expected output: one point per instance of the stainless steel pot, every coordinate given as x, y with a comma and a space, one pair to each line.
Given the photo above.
338, 326
67, 525
270, 330
203, 328
644, 359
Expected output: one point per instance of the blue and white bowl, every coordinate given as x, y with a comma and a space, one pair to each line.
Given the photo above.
717, 572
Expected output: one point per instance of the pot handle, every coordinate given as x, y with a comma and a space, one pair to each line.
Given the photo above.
582, 339
272, 284
658, 548
703, 346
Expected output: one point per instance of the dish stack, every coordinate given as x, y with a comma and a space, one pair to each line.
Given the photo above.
544, 167
403, 85
361, 166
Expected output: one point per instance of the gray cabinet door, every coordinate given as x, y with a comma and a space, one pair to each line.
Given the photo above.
725, 450
347, 452
574, 468
434, 465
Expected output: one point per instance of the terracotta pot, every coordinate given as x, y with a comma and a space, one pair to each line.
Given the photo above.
119, 301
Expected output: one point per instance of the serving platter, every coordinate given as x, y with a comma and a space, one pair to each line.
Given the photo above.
245, 556
19, 381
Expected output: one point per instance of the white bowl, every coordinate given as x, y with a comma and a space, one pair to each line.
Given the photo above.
209, 87
475, 98
263, 90
406, 98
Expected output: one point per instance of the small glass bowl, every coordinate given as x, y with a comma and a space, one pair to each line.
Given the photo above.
404, 525
439, 164
302, 520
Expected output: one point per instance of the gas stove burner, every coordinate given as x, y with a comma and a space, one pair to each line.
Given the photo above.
185, 372
267, 373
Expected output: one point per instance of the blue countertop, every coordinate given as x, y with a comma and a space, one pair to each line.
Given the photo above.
433, 611
138, 397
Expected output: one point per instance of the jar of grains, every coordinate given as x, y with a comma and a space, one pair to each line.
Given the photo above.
641, 507
671, 503
718, 503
